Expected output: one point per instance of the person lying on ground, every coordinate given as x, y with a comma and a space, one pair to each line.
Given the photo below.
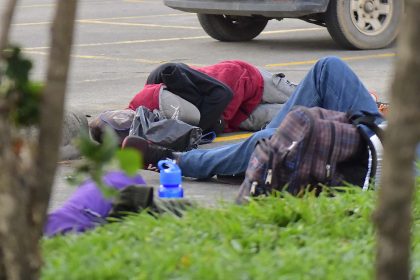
88, 207
229, 95
330, 84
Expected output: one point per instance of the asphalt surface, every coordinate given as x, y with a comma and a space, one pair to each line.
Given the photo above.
118, 42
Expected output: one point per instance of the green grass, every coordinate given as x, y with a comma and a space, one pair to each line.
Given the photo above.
287, 238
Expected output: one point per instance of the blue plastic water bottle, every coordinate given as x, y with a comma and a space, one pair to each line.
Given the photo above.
170, 180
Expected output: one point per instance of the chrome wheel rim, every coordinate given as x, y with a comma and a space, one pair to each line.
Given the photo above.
371, 17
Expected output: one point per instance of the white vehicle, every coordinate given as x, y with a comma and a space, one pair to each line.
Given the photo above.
354, 24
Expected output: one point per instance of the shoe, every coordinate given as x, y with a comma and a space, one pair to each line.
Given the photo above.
151, 152
136, 198
283, 84
131, 199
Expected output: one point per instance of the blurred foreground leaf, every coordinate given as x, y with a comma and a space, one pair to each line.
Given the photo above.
130, 160
99, 154
23, 95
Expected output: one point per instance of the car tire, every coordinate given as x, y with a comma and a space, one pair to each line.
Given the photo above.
364, 24
232, 28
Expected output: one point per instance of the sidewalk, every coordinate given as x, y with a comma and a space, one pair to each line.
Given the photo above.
207, 193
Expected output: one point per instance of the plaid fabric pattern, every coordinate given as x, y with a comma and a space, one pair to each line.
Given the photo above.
304, 151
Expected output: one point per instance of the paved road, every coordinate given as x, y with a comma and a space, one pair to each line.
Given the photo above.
118, 42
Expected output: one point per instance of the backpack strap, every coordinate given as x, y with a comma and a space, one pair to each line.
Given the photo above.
206, 138
373, 135
369, 121
375, 156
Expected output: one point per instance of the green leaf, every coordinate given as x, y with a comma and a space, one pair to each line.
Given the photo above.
34, 88
98, 153
18, 67
109, 145
108, 192
130, 161
29, 102
24, 95
86, 146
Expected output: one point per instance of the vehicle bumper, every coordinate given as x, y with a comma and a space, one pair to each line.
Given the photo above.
267, 8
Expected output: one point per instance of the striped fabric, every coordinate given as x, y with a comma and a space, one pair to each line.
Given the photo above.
312, 147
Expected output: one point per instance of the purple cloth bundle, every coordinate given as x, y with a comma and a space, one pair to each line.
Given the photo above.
87, 207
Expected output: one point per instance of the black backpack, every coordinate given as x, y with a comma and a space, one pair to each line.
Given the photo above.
170, 133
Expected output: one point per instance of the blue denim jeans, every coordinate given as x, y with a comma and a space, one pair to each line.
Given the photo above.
330, 84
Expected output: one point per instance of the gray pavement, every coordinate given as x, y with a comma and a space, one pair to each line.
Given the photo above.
118, 42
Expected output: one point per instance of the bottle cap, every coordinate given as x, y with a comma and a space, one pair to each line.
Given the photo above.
170, 173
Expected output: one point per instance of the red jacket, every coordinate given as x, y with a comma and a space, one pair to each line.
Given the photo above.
242, 78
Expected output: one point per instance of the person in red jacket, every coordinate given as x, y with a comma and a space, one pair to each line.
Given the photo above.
233, 93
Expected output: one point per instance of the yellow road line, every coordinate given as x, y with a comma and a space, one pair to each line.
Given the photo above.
232, 137
140, 17
129, 42
167, 39
139, 1
100, 19
35, 52
90, 2
138, 24
362, 57
348, 58
32, 23
148, 61
113, 58
103, 57
36, 6
102, 80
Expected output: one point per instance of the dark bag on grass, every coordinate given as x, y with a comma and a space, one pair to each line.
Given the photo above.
169, 133
119, 120
313, 147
